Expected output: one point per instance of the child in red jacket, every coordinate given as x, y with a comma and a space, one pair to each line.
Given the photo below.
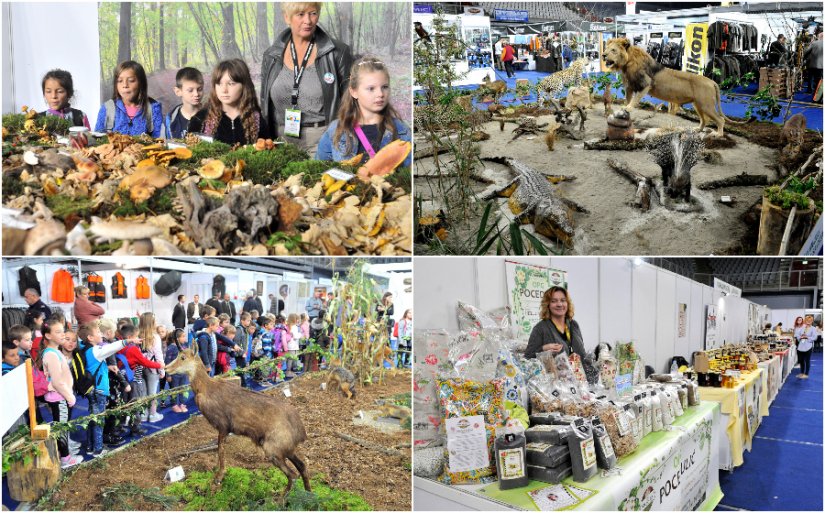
137, 362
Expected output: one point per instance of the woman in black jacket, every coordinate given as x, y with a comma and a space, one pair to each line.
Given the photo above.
305, 71
557, 331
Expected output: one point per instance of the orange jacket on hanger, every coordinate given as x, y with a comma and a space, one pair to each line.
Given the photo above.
62, 287
142, 288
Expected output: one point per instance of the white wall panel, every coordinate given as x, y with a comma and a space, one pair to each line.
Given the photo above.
665, 319
615, 306
644, 311
583, 282
439, 284
682, 345
696, 319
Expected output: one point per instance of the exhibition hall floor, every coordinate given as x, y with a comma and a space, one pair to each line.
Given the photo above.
784, 469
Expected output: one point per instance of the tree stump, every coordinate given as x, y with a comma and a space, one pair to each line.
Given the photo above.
772, 228
29, 480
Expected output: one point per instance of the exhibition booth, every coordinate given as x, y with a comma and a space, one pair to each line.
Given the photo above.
668, 385
288, 281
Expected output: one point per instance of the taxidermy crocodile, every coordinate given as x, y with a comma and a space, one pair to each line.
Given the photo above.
531, 196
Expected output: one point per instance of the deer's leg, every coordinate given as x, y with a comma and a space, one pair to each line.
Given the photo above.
288, 472
302, 469
221, 469
345, 389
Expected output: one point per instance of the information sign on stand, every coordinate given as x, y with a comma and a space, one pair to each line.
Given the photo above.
526, 284
710, 326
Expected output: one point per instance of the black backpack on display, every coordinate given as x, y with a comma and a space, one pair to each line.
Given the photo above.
219, 285
168, 283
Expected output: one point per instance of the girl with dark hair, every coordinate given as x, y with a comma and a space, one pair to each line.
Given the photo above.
130, 111
58, 90
557, 331
233, 115
177, 337
366, 120
60, 397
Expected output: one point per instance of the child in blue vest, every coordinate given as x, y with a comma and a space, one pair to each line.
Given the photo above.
96, 353
130, 111
58, 90
366, 120
189, 88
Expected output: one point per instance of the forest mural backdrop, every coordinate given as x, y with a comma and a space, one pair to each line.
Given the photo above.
165, 37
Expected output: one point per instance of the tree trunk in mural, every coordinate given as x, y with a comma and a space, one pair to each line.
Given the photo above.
229, 46
124, 49
161, 42
262, 29
344, 11
206, 39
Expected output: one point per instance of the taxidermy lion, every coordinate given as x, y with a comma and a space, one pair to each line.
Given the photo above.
642, 75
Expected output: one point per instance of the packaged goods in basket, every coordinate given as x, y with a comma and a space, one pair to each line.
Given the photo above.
553, 475
511, 461
548, 455
582, 451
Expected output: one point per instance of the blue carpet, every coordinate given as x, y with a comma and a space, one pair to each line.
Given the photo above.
81, 409
732, 106
784, 469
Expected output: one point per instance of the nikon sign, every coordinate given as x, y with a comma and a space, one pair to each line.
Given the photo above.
696, 48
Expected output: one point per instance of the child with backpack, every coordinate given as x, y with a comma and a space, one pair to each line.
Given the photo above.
366, 120
189, 88
208, 343
137, 363
292, 346
227, 349
176, 380
96, 353
232, 114
151, 346
60, 396
130, 111
58, 90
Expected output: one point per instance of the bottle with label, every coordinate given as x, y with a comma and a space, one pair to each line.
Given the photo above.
605, 457
511, 461
582, 451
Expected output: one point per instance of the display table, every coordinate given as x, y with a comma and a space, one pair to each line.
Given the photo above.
771, 379
670, 470
742, 410
788, 357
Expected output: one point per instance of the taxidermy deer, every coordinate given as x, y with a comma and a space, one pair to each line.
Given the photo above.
271, 423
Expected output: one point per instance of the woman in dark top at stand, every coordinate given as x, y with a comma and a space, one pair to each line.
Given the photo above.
557, 331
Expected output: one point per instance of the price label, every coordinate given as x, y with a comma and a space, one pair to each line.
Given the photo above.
339, 174
174, 474
287, 392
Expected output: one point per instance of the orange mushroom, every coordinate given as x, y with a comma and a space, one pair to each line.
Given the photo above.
386, 160
183, 153
212, 170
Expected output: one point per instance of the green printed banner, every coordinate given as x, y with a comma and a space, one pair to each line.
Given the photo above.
526, 284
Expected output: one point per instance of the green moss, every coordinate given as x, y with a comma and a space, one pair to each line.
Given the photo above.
312, 169
265, 167
53, 124
244, 490
401, 177
402, 399
61, 206
106, 247
12, 186
786, 199
159, 203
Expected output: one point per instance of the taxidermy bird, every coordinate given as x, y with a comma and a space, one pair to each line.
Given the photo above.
422, 34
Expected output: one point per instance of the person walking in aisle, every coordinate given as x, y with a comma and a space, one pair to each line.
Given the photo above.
805, 335
508, 55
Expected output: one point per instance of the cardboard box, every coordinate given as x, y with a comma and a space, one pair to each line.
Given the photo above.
701, 362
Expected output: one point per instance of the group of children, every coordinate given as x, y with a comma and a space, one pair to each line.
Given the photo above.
232, 114
111, 364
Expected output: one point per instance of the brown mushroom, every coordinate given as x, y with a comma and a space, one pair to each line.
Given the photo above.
143, 183
183, 153
212, 170
46, 238
123, 230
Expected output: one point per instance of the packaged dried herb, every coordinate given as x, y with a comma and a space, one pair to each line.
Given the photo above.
582, 451
511, 461
605, 456
548, 455
547, 434
552, 475
656, 404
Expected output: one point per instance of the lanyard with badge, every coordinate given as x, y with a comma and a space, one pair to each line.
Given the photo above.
292, 117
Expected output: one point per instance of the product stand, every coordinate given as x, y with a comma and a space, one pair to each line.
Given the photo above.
643, 483
749, 397
788, 360
771, 377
